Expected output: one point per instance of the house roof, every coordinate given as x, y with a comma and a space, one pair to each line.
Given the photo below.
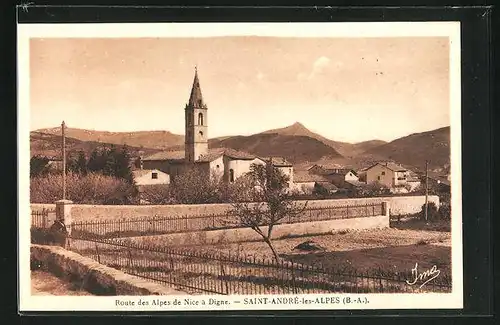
303, 176
339, 171
355, 183
328, 186
443, 179
391, 166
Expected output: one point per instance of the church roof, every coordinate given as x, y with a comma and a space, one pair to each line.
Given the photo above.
166, 155
212, 154
196, 98
228, 152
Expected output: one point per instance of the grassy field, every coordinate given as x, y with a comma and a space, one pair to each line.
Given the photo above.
388, 249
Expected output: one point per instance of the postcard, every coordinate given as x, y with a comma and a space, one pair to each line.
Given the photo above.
239, 166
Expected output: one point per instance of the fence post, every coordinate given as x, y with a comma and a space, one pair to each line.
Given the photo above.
130, 261
97, 253
294, 284
63, 215
223, 276
386, 211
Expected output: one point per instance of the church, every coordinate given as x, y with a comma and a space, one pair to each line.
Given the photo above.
223, 162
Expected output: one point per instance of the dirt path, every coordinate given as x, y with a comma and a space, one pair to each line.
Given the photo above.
44, 283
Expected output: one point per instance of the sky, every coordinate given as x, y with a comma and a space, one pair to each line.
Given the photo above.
346, 89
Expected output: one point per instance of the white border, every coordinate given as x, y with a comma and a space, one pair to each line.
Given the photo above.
351, 30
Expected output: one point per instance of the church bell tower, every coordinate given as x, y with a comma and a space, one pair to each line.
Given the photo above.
196, 139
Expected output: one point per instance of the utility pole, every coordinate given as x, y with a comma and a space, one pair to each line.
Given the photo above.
426, 186
64, 160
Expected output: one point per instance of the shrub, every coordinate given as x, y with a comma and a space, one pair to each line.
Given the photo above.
194, 186
156, 194
445, 211
432, 211
92, 188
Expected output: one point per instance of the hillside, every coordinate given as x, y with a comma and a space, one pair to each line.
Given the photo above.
49, 145
414, 149
146, 139
295, 142
343, 148
295, 148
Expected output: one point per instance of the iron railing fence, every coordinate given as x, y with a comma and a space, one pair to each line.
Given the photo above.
42, 219
157, 225
198, 272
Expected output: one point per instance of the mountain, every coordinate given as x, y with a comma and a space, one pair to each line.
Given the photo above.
414, 149
343, 148
49, 145
146, 139
295, 142
296, 148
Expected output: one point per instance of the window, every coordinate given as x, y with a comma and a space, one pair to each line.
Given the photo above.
217, 166
378, 178
154, 175
383, 173
201, 133
231, 175
200, 118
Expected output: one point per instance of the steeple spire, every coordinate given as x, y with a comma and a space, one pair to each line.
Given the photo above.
196, 99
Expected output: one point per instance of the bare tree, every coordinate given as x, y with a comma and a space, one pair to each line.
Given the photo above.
271, 205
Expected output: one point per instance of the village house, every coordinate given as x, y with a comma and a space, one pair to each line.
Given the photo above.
145, 177
438, 181
223, 162
345, 178
388, 174
306, 182
54, 163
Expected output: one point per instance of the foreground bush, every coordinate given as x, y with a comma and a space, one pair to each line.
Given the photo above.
432, 211
445, 211
156, 194
92, 188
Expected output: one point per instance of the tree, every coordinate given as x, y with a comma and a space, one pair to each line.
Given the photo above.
38, 165
97, 160
122, 168
373, 189
194, 186
71, 162
271, 203
81, 163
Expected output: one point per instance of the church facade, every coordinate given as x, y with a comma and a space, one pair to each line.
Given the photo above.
222, 162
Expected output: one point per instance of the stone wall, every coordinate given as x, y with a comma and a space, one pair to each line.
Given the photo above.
279, 231
94, 277
399, 205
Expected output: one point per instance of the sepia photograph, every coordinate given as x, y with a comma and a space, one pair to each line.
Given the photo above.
229, 166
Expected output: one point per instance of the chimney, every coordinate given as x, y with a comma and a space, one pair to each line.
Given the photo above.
141, 162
